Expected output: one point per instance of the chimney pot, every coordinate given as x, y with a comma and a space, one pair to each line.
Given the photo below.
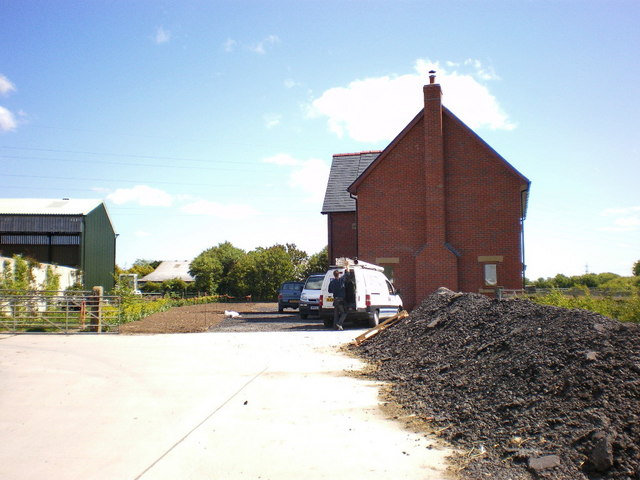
432, 76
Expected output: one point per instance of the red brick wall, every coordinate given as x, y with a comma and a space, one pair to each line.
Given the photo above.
481, 195
483, 208
342, 235
391, 210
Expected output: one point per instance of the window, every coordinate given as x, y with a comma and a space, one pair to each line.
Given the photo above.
392, 291
490, 274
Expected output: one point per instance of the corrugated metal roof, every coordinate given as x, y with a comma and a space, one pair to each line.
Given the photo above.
40, 223
47, 206
345, 168
168, 270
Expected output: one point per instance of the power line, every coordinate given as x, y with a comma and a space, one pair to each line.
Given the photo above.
131, 164
119, 180
124, 155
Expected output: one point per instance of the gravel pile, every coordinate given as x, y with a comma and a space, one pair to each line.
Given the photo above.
528, 391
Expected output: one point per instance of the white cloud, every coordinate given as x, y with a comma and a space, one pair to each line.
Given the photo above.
142, 195
376, 109
162, 35
282, 159
272, 119
229, 45
290, 83
626, 219
307, 176
7, 120
216, 209
261, 46
6, 86
311, 179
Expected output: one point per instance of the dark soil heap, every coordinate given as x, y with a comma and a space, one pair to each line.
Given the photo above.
542, 391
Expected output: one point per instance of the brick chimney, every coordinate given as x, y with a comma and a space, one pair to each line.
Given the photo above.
436, 265
434, 161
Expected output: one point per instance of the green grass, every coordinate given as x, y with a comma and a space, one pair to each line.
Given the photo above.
624, 309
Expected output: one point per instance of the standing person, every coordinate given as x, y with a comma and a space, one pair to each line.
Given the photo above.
336, 287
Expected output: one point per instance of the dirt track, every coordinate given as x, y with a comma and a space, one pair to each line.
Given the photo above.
203, 318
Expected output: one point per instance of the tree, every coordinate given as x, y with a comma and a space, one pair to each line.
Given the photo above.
19, 275
562, 281
207, 270
143, 267
174, 287
261, 272
636, 268
51, 280
212, 267
299, 260
317, 263
228, 255
589, 280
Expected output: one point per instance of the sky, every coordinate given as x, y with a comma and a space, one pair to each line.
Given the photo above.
200, 122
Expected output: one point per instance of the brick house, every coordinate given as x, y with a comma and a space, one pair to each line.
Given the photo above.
437, 207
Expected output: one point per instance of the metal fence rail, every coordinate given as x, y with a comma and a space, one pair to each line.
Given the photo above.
69, 312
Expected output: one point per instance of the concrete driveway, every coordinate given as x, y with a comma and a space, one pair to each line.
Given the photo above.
198, 406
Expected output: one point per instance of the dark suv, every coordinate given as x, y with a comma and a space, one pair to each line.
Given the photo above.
289, 295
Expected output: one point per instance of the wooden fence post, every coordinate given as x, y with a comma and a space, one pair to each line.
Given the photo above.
96, 309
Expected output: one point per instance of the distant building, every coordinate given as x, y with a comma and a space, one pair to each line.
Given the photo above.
168, 270
71, 233
438, 207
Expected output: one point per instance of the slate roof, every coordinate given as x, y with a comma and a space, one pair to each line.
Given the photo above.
345, 168
168, 270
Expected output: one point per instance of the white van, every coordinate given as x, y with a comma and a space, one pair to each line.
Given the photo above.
370, 295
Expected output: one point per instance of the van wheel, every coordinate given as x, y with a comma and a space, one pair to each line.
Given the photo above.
303, 316
374, 319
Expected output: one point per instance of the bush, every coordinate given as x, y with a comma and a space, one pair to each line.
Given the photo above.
624, 309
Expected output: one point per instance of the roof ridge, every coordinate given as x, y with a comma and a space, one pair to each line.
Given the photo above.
356, 153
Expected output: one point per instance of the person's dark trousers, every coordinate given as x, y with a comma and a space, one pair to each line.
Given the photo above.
339, 312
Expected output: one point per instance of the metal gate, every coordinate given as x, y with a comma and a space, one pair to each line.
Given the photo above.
67, 312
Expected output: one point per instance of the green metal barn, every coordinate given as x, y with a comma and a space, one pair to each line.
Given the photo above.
72, 233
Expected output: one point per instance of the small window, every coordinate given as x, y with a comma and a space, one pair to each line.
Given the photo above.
490, 274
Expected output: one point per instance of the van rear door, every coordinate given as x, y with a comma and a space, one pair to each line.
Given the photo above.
383, 296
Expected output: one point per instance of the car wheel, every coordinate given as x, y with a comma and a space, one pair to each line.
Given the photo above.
303, 316
374, 319
280, 308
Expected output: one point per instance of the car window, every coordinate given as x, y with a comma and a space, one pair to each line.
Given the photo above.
314, 283
392, 291
293, 287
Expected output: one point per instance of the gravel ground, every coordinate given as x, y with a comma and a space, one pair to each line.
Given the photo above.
527, 391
